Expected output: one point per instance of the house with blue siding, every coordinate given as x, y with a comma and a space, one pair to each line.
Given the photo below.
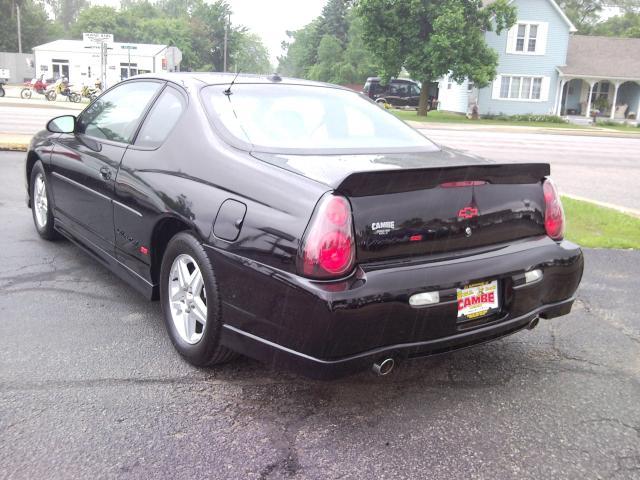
545, 68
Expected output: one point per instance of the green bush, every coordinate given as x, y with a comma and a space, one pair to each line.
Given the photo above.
525, 117
607, 123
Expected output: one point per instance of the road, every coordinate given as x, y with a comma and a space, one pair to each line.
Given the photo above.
605, 169
28, 120
90, 387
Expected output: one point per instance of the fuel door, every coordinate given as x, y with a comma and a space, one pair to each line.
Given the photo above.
228, 222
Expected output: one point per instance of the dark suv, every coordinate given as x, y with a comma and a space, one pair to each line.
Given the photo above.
398, 92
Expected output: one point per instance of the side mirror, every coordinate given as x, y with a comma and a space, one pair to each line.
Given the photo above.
63, 124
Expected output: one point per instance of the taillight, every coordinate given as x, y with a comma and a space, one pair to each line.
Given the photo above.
553, 212
328, 249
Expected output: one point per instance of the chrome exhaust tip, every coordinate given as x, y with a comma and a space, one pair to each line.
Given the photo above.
384, 367
533, 323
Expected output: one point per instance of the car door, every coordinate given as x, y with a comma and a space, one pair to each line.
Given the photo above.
137, 201
84, 164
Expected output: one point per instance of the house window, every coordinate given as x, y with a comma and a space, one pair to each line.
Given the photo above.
470, 86
527, 37
521, 88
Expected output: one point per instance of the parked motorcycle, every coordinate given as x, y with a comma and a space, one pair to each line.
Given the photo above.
62, 87
4, 78
38, 85
91, 92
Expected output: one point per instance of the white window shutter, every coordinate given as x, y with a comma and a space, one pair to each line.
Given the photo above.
511, 39
495, 92
541, 42
544, 89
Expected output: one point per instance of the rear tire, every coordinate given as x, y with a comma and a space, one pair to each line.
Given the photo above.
50, 96
41, 203
1, 92
75, 97
191, 302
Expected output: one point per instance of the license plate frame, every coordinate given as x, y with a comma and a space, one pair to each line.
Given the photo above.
483, 300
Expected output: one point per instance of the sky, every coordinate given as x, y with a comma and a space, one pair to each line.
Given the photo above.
270, 19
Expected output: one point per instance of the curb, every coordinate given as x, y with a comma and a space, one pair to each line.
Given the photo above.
425, 126
13, 147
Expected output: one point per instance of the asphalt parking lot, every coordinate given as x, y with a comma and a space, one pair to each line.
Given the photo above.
90, 387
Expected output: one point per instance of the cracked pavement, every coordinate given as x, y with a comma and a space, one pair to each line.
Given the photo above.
90, 387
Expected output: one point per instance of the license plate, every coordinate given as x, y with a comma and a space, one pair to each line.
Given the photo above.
478, 300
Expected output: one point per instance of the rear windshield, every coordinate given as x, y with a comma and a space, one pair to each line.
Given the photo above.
282, 117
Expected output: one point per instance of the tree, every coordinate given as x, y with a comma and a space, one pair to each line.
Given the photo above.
35, 25
67, 11
627, 25
583, 13
328, 57
433, 38
251, 56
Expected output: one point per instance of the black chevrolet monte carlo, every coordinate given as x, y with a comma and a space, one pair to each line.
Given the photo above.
300, 224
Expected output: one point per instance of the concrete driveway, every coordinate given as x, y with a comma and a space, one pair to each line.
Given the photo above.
90, 387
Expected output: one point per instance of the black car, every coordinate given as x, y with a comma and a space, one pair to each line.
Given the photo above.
299, 223
397, 92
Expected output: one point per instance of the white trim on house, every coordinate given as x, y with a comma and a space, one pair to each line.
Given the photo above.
540, 38
544, 88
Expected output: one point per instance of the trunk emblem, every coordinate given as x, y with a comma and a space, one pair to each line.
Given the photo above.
468, 212
467, 231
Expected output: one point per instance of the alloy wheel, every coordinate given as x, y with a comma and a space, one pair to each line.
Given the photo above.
40, 202
187, 298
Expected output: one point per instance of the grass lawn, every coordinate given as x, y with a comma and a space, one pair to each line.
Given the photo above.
448, 117
590, 225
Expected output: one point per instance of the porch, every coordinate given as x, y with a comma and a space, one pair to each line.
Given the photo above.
613, 99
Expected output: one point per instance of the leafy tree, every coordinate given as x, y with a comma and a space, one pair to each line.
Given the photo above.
433, 38
251, 56
194, 26
334, 21
583, 13
67, 11
36, 28
627, 25
328, 57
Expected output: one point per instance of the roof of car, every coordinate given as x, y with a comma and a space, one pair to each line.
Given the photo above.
218, 78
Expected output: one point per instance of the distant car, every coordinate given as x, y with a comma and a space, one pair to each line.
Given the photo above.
398, 92
298, 223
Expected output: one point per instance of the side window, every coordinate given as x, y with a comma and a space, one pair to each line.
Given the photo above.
161, 119
116, 115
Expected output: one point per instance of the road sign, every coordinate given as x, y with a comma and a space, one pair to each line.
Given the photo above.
129, 47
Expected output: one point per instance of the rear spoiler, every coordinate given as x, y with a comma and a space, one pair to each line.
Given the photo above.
382, 182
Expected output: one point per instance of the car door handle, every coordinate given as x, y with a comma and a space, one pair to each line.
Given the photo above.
105, 173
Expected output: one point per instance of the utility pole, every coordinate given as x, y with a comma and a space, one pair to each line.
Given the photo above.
226, 32
19, 29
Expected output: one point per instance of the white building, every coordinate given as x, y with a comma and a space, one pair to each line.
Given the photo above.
80, 61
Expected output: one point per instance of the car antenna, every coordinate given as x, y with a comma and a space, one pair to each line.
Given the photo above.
227, 92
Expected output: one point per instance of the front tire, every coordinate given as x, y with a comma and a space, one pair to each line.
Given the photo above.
191, 302
25, 93
41, 203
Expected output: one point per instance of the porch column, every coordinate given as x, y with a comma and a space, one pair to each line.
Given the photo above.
591, 85
558, 109
615, 99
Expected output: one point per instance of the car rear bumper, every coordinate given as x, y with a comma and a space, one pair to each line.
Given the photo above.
331, 329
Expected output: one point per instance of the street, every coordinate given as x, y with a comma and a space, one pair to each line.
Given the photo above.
90, 387
605, 169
